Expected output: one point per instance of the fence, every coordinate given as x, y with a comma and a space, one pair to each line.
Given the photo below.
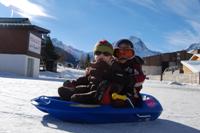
193, 78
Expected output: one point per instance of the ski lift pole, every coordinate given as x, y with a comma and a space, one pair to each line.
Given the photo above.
122, 97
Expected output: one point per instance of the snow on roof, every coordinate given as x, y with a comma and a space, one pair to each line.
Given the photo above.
198, 55
15, 21
190, 51
194, 66
20, 22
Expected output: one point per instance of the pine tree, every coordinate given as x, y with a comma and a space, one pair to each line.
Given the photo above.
87, 61
84, 61
49, 56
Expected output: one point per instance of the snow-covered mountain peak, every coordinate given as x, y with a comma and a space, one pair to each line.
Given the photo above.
140, 47
135, 39
75, 52
193, 46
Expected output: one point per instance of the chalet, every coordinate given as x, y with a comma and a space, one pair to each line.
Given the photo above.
157, 64
192, 65
20, 46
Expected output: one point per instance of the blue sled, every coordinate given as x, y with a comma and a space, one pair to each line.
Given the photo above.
84, 113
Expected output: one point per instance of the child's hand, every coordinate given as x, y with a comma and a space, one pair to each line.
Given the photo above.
87, 71
109, 60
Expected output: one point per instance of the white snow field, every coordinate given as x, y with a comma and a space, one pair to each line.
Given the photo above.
180, 102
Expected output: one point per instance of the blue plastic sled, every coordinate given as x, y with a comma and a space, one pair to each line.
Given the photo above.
84, 113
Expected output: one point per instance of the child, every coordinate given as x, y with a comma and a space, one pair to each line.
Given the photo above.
89, 88
132, 65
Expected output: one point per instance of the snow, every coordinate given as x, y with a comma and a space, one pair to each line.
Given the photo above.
194, 56
180, 103
193, 65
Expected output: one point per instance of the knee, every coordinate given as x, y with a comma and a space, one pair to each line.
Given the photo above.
60, 90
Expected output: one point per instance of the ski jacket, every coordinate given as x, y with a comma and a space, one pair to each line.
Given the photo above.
133, 69
102, 71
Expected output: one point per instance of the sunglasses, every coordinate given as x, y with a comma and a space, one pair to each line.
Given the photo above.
104, 53
124, 53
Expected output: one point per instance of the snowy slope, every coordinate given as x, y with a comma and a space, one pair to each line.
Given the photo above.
181, 107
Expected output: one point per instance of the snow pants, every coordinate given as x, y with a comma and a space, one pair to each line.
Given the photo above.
81, 94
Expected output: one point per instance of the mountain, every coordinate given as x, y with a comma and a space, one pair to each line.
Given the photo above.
75, 52
73, 55
140, 48
66, 56
193, 46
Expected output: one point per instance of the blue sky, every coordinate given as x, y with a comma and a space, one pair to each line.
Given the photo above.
163, 25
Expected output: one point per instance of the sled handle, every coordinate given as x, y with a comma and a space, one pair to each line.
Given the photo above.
117, 96
122, 97
143, 116
43, 100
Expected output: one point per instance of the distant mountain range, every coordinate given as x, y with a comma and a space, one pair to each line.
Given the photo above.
139, 46
193, 46
75, 52
73, 55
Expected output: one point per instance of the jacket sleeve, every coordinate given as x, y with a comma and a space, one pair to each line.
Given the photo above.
139, 76
81, 80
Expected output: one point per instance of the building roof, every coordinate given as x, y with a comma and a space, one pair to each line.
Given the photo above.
194, 51
197, 55
194, 66
20, 22
14, 20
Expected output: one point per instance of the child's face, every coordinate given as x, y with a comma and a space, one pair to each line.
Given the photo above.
104, 56
124, 46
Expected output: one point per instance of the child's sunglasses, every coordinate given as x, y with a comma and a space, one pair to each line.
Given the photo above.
124, 53
104, 53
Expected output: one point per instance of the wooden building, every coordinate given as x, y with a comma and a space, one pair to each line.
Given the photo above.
192, 65
20, 46
157, 64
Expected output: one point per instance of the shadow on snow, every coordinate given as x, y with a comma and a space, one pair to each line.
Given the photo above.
157, 126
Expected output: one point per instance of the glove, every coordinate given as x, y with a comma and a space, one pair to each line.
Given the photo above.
69, 84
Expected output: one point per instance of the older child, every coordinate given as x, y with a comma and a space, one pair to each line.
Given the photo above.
132, 65
91, 88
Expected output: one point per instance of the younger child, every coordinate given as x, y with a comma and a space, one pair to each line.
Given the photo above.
132, 65
88, 89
